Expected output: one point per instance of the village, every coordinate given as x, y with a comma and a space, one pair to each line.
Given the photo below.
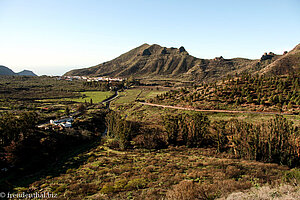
89, 79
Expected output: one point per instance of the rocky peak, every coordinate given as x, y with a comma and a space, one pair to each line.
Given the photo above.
267, 56
164, 51
182, 49
146, 52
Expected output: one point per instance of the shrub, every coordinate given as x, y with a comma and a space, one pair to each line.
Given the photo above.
113, 143
282, 192
292, 176
185, 190
188, 190
107, 189
60, 189
150, 139
120, 184
138, 183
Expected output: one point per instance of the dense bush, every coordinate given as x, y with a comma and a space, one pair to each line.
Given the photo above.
119, 129
22, 143
255, 92
274, 141
190, 130
150, 138
14, 127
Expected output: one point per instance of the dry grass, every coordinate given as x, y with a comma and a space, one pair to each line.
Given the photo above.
282, 192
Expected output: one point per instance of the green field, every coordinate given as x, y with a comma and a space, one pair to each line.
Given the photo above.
96, 96
130, 95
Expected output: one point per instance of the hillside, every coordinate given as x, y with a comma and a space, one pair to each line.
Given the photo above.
8, 72
244, 93
26, 73
287, 63
154, 61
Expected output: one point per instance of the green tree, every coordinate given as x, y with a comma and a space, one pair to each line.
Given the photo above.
67, 110
171, 127
197, 125
81, 108
119, 129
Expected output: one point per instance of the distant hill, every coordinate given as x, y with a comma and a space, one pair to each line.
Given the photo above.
8, 72
154, 61
26, 73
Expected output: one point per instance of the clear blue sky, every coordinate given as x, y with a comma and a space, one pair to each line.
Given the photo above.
54, 36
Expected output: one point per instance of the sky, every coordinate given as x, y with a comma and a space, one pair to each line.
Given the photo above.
51, 37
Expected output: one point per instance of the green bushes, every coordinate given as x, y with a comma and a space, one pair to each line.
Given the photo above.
292, 176
119, 129
138, 183
124, 185
150, 138
190, 130
14, 127
274, 141
280, 93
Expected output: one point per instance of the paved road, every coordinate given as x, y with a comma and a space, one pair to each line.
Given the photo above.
111, 97
219, 111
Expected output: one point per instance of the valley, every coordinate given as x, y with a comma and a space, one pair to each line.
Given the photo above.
152, 137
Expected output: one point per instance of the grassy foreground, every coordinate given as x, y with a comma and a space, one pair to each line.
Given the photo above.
142, 174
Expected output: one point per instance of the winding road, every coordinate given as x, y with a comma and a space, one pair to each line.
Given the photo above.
109, 99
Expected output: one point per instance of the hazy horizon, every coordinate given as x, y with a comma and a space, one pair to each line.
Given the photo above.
53, 37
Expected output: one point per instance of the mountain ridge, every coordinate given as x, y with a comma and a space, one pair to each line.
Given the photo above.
155, 61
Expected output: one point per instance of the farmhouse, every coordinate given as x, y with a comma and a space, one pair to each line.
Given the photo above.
65, 122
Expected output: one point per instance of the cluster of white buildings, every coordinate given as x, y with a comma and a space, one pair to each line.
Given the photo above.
86, 78
66, 122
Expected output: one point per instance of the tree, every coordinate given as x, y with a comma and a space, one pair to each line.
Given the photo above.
171, 127
197, 125
81, 108
119, 129
13, 127
67, 110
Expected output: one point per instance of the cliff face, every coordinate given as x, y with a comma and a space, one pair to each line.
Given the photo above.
154, 61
